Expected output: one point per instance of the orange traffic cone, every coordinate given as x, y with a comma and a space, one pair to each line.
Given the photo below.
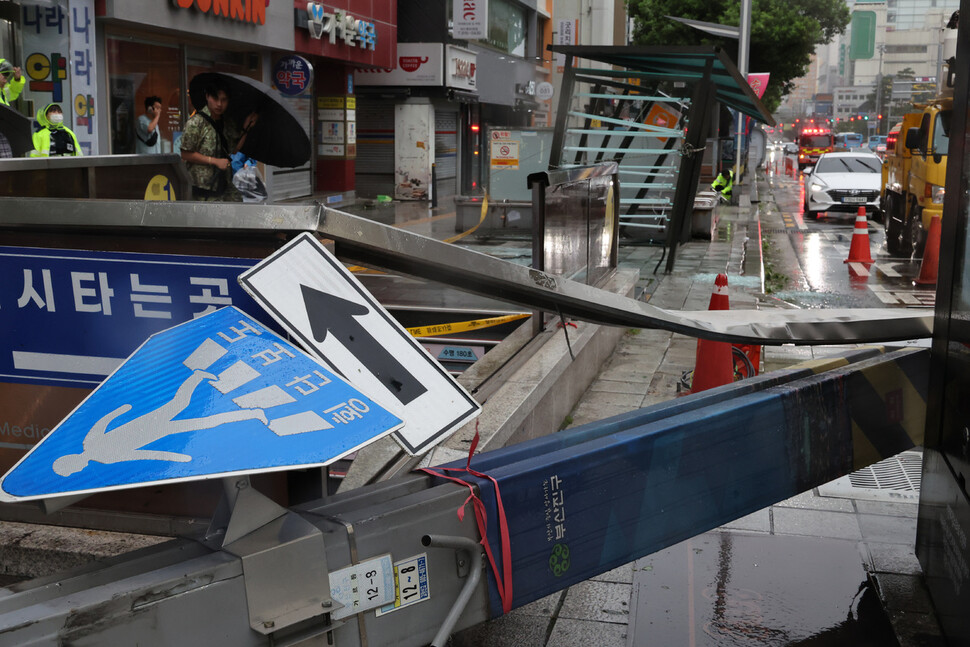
931, 254
859, 249
713, 365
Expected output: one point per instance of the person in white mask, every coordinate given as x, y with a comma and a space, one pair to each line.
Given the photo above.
53, 138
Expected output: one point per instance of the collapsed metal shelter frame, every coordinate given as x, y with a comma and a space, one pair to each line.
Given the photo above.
624, 83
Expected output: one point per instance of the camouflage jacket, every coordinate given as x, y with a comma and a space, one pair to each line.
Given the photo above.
200, 137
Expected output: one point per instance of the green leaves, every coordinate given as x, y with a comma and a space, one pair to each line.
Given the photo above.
784, 33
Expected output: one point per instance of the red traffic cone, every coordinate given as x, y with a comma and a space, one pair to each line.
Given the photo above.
713, 365
859, 249
931, 254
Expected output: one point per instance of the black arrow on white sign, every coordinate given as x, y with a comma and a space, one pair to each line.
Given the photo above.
331, 315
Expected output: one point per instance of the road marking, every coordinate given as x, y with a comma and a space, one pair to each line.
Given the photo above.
860, 269
913, 298
887, 270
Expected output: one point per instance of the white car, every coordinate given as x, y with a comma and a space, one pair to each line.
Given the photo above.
844, 182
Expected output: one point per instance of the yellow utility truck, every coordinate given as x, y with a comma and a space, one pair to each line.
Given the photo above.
914, 171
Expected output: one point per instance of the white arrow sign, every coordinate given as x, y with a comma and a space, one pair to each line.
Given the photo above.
315, 298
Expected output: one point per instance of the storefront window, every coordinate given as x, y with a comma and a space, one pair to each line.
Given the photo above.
507, 26
136, 71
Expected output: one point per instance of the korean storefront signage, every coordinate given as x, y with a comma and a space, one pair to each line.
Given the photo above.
251, 11
340, 26
470, 19
337, 127
565, 35
417, 64
462, 68
293, 75
59, 64
84, 79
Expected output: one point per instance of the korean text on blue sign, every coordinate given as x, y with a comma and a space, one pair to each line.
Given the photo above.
293, 75
69, 317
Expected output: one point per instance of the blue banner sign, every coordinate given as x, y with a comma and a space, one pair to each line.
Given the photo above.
70, 317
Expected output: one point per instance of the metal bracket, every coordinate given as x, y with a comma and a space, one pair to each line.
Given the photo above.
460, 544
283, 557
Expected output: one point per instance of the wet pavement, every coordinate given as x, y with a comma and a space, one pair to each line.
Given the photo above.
825, 568
833, 566
732, 588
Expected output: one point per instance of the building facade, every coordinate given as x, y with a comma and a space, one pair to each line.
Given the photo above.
101, 59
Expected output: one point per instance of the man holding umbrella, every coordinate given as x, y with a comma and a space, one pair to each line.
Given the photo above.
209, 139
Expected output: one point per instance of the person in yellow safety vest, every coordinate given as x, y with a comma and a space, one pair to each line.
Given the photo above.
724, 183
11, 82
53, 138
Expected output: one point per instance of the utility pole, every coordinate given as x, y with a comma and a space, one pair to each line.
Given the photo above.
879, 111
744, 45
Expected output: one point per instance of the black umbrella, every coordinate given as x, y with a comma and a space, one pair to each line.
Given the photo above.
278, 138
17, 129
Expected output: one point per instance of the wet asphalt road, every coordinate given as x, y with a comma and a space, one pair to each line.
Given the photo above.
810, 252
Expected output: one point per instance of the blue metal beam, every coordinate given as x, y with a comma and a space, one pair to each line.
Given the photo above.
582, 502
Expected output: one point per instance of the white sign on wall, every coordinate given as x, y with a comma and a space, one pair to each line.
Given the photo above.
331, 132
470, 19
461, 68
565, 35
417, 64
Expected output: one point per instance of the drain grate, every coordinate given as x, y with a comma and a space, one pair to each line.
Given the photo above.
896, 473
894, 479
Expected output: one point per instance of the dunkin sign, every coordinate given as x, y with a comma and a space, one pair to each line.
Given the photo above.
249, 11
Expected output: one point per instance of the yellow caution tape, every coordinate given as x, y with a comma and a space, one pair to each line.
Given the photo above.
464, 326
480, 221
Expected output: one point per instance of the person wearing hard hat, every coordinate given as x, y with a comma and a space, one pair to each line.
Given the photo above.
53, 138
12, 82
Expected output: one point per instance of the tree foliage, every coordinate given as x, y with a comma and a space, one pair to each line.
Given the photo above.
784, 33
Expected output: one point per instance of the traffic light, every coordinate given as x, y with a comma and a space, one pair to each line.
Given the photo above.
879, 117
866, 117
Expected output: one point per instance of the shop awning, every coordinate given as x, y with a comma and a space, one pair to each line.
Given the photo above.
675, 64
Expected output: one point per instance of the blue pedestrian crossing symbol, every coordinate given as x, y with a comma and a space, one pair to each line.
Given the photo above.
216, 396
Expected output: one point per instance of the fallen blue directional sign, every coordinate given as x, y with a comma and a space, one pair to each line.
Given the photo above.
216, 396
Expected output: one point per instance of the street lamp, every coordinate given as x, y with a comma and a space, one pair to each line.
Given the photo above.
882, 48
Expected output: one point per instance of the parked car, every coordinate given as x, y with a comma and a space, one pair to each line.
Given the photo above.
791, 147
843, 182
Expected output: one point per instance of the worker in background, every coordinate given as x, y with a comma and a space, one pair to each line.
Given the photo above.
724, 183
12, 82
53, 138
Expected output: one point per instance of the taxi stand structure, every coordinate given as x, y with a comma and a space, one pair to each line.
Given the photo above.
575, 504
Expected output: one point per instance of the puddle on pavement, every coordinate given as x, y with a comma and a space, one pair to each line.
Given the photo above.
732, 589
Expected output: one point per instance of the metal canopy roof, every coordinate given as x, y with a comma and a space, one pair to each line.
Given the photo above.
676, 63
